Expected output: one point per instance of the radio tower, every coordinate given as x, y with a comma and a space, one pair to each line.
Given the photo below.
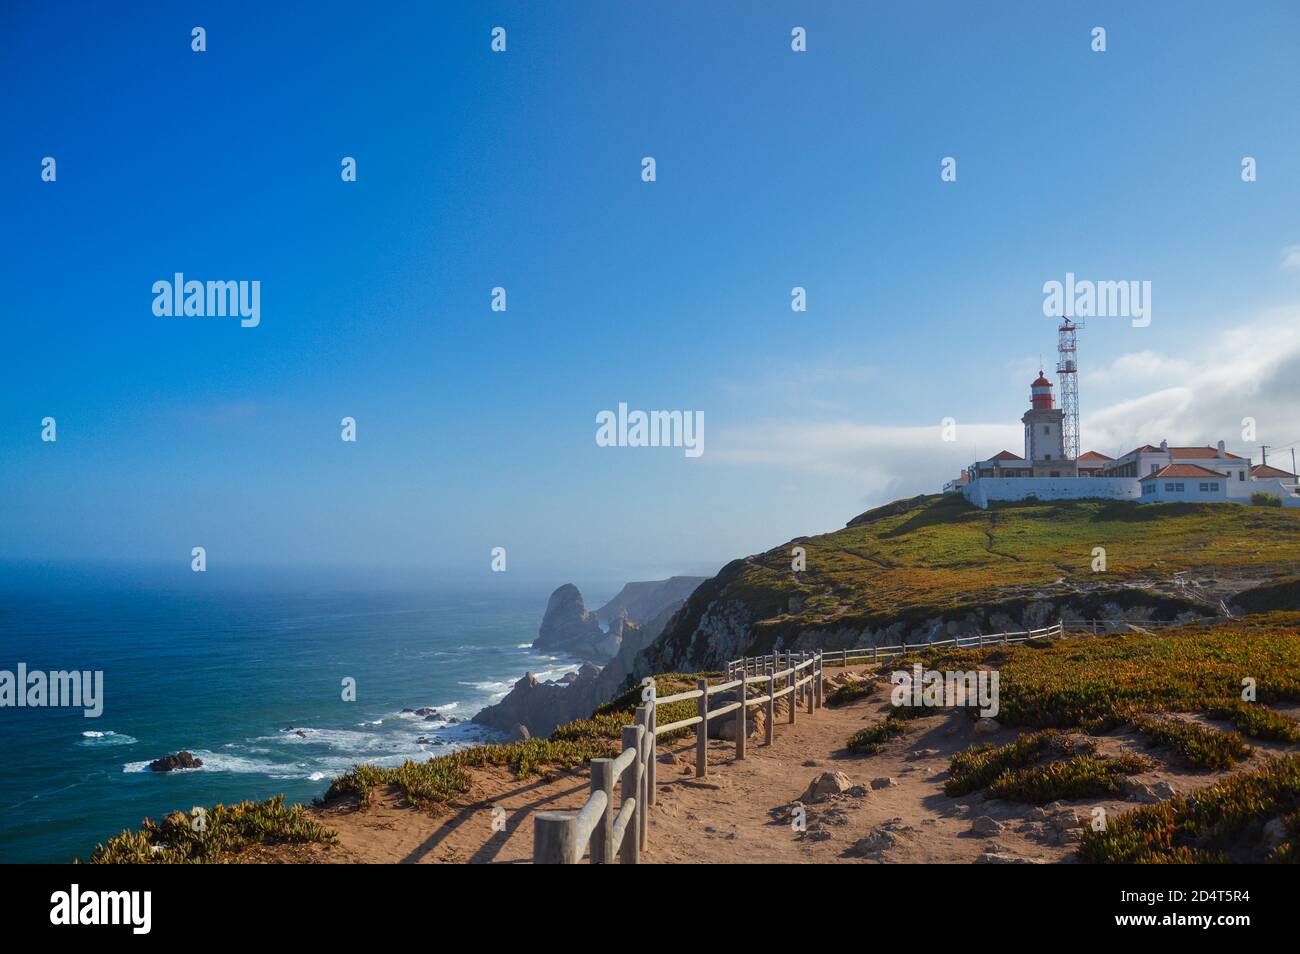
1067, 369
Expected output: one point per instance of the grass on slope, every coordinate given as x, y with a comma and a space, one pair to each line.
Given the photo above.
941, 553
1105, 681
225, 831
1249, 817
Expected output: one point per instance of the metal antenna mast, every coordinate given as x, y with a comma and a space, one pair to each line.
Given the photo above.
1067, 369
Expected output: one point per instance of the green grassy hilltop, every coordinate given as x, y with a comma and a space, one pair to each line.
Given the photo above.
939, 557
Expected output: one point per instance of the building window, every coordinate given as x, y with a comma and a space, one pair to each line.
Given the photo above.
1048, 457
1046, 429
1214, 486
1205, 488
1241, 475
1178, 488
1169, 488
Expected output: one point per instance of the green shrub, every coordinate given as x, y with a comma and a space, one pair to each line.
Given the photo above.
872, 739
1199, 747
1224, 822
1083, 776
980, 765
1261, 499
226, 830
1258, 721
850, 692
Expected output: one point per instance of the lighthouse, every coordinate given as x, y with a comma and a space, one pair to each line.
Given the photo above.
1045, 433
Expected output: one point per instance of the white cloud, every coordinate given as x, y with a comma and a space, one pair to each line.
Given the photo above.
1248, 371
1291, 258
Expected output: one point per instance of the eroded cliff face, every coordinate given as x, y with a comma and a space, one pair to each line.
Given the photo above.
717, 625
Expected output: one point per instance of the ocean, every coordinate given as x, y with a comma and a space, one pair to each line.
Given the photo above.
249, 678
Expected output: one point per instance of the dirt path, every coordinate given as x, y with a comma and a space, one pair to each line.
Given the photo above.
740, 812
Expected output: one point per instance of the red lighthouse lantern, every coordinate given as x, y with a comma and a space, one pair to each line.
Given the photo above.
1040, 394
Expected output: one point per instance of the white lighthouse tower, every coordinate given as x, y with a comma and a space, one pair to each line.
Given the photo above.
1045, 433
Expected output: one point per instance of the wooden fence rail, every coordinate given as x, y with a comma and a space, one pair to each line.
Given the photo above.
606, 829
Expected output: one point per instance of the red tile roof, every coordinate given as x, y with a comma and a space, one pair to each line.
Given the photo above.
1093, 455
1185, 453
1200, 453
1268, 470
1185, 470
1005, 455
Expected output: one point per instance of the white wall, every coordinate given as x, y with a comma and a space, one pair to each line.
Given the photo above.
984, 489
1273, 486
981, 491
1191, 492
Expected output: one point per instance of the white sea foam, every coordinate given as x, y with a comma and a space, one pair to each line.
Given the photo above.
93, 738
219, 762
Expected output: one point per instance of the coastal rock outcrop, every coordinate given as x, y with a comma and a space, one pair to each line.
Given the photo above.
181, 760
569, 627
538, 707
616, 635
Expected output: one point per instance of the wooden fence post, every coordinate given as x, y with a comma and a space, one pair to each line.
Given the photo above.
817, 680
555, 840
652, 769
702, 729
809, 690
740, 721
790, 683
629, 853
642, 720
602, 780
771, 704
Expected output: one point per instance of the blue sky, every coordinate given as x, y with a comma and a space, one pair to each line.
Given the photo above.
522, 169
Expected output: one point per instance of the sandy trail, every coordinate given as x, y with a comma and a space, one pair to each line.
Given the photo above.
740, 811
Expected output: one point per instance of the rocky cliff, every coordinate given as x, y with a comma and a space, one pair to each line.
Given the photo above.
643, 601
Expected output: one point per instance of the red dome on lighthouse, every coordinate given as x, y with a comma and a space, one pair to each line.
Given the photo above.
1040, 393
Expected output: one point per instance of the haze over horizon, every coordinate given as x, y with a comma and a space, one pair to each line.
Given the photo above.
476, 429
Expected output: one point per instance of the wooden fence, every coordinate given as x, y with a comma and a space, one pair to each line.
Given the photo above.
606, 831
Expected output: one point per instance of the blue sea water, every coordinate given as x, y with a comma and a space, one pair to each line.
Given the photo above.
248, 677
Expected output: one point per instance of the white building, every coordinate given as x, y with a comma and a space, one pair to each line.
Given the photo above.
1147, 474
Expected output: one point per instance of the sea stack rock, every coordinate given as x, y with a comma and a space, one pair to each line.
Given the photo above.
570, 628
181, 760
